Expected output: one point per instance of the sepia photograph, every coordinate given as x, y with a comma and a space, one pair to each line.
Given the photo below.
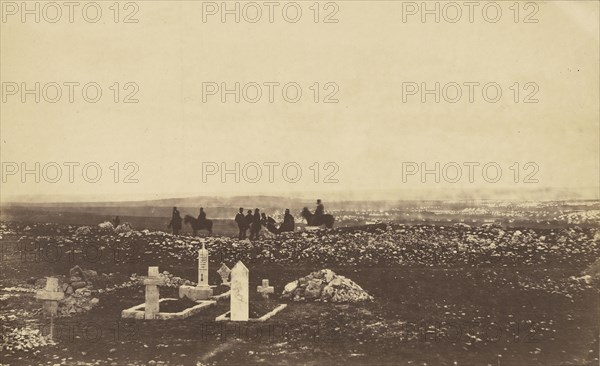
307, 182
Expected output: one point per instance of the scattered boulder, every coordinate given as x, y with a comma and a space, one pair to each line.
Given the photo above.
266, 234
76, 304
26, 339
69, 290
106, 225
40, 282
76, 274
587, 279
313, 290
78, 285
83, 292
89, 274
326, 286
290, 287
83, 230
124, 228
169, 280
592, 273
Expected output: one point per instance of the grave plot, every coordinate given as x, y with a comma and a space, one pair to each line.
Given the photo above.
192, 299
243, 306
163, 309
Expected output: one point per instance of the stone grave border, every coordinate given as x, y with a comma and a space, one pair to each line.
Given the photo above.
224, 295
137, 312
267, 316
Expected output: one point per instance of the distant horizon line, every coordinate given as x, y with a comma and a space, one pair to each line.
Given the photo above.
364, 196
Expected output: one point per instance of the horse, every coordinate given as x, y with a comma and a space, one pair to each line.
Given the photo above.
197, 225
325, 219
270, 225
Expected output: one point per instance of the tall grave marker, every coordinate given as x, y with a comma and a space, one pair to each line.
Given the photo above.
202, 291
239, 299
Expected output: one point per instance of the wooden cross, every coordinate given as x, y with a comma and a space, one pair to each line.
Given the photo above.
152, 294
50, 296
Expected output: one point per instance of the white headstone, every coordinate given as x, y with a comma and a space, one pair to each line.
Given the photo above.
224, 272
239, 293
202, 267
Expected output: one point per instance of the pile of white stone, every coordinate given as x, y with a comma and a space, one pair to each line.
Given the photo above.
23, 339
83, 230
326, 286
80, 301
107, 226
77, 289
168, 279
592, 274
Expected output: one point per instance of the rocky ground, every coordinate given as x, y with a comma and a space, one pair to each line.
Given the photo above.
440, 295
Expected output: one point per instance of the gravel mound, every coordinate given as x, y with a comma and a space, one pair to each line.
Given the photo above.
78, 293
326, 286
124, 228
592, 273
106, 225
83, 230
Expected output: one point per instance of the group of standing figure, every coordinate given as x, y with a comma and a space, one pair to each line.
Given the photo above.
251, 221
256, 221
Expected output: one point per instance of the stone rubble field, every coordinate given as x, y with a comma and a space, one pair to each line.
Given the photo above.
371, 286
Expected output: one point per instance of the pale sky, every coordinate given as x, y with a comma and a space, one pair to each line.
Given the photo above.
368, 134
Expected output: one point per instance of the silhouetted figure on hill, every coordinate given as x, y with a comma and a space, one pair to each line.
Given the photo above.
317, 220
202, 215
263, 219
288, 222
241, 223
256, 224
175, 223
249, 219
320, 211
